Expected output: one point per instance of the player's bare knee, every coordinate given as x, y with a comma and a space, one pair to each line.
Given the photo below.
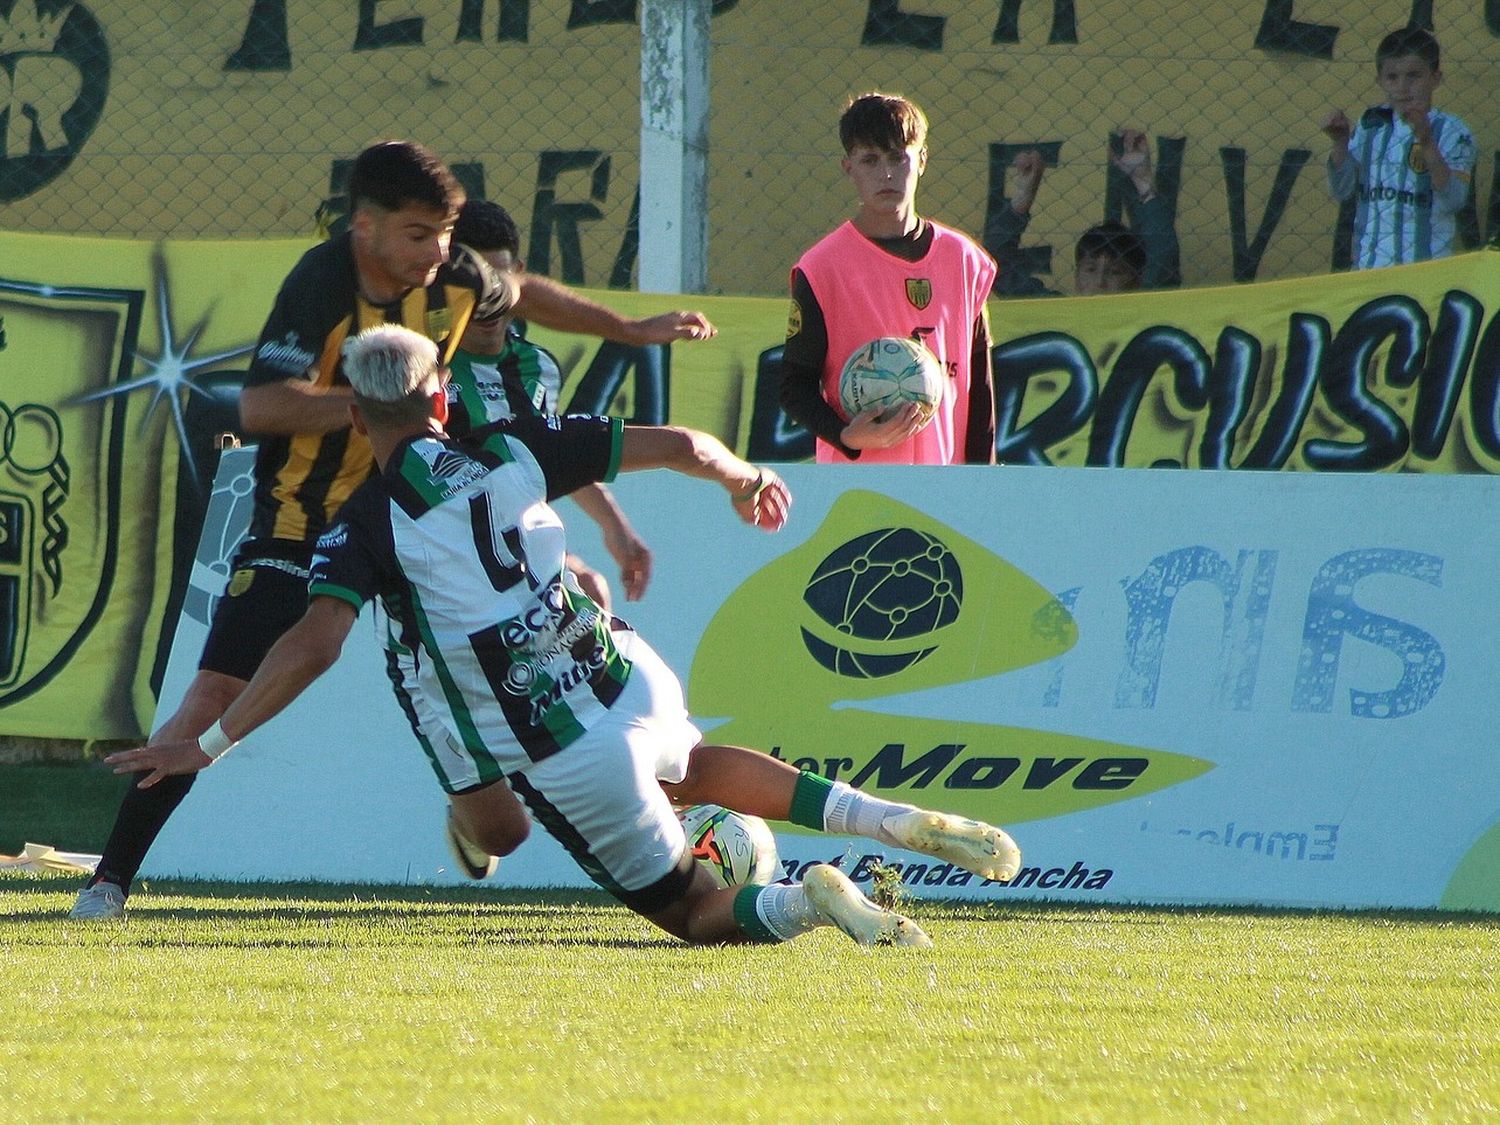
500, 839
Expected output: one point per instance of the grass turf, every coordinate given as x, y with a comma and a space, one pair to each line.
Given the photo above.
364, 1003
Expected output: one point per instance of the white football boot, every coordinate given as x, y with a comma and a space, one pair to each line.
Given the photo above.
103, 900
475, 861
975, 846
836, 899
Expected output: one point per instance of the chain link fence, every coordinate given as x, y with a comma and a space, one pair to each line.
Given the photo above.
237, 120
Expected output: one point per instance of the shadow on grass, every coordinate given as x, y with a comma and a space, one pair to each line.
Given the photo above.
536, 904
455, 916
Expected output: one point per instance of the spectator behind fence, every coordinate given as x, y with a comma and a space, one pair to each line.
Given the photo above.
1109, 257
1408, 165
890, 272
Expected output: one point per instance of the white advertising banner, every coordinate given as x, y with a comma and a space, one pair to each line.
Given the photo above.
1180, 687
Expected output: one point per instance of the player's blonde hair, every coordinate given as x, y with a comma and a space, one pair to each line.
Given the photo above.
389, 363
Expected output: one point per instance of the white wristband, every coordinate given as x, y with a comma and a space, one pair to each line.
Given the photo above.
215, 743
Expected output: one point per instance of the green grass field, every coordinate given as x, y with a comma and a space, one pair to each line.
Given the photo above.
271, 1003
336, 1003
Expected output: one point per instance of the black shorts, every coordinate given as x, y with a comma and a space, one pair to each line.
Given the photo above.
266, 596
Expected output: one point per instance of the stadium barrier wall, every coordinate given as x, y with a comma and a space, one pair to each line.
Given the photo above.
121, 360
144, 119
1191, 687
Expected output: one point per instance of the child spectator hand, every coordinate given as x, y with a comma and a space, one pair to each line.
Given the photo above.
1338, 128
1421, 124
1134, 159
1027, 168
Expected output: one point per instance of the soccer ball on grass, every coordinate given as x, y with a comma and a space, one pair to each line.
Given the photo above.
736, 848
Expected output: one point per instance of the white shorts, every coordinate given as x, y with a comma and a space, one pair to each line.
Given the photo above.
600, 796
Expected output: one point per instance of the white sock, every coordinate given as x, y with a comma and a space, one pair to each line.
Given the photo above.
852, 812
786, 912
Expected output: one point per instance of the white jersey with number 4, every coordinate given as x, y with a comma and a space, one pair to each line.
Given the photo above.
461, 545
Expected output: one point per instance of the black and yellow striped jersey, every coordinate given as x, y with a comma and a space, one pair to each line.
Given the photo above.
301, 479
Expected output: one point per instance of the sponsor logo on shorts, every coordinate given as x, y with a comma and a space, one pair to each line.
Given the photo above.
282, 565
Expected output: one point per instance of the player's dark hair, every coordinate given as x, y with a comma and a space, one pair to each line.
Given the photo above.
487, 227
396, 174
883, 121
1416, 41
1115, 240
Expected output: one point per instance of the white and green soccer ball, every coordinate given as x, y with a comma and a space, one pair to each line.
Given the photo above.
888, 372
736, 848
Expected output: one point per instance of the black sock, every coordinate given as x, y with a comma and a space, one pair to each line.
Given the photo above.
143, 813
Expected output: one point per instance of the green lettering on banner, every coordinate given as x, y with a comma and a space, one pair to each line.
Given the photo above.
513, 23
371, 36
1064, 27
587, 13
1247, 255
265, 44
551, 218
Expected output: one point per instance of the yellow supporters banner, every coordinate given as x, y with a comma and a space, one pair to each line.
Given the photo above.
1381, 370
114, 359
120, 362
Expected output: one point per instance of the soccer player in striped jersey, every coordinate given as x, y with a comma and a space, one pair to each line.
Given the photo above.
536, 685
497, 373
1407, 164
393, 266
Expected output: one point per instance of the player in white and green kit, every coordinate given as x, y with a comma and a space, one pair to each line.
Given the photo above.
536, 685
496, 374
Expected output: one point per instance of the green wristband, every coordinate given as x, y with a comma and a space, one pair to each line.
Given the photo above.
755, 489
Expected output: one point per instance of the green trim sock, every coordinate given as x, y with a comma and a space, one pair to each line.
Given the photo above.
809, 798
775, 913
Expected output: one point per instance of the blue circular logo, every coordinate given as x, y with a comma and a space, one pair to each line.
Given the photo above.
889, 585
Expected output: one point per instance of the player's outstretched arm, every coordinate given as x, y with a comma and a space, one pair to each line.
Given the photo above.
590, 581
556, 306
759, 496
627, 548
294, 407
304, 652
